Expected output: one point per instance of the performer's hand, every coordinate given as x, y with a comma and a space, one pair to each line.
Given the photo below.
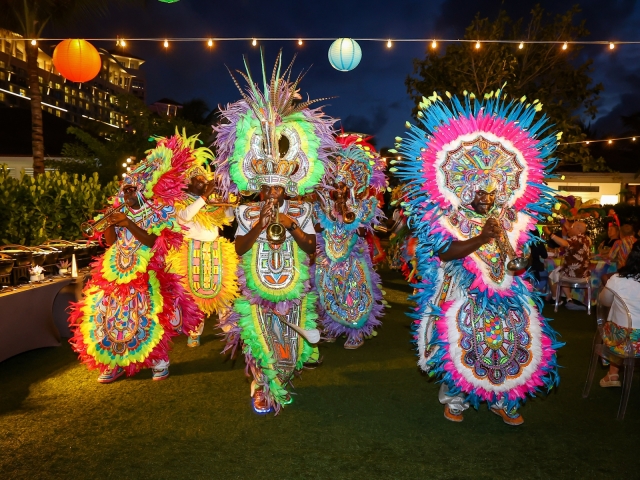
119, 219
209, 189
490, 230
285, 220
546, 230
265, 214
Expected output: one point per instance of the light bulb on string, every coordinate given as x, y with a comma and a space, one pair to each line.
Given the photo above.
389, 43
123, 43
254, 42
587, 143
299, 41
521, 46
166, 44
612, 46
124, 164
434, 44
610, 142
564, 46
478, 44
34, 43
210, 43
634, 139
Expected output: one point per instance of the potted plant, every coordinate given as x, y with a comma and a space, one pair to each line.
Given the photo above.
36, 274
63, 267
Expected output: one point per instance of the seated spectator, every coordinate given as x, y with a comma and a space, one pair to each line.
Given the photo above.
577, 257
613, 235
620, 250
626, 284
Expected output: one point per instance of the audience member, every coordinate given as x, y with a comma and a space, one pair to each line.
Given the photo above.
617, 331
577, 258
620, 250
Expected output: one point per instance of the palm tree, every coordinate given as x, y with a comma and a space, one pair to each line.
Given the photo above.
29, 18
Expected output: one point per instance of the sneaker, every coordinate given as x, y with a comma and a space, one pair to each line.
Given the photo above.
354, 342
513, 419
160, 373
574, 306
608, 381
260, 402
452, 417
193, 341
111, 375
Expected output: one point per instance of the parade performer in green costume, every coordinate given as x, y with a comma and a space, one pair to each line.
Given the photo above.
274, 144
133, 304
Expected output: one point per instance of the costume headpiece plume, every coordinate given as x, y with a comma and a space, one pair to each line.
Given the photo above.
460, 147
272, 137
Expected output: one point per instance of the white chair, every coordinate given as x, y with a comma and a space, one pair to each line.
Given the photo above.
576, 283
601, 343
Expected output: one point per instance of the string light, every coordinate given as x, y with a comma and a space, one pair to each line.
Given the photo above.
166, 44
434, 44
478, 44
299, 41
609, 141
611, 46
254, 42
210, 43
564, 46
389, 43
34, 42
123, 43
521, 46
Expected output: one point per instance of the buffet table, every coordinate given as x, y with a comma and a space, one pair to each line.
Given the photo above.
27, 315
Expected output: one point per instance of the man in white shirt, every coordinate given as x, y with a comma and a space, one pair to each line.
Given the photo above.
207, 261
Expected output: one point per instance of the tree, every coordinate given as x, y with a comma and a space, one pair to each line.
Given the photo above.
29, 18
545, 72
196, 111
103, 149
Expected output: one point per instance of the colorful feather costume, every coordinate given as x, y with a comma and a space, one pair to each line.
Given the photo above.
272, 138
348, 286
479, 328
207, 261
132, 304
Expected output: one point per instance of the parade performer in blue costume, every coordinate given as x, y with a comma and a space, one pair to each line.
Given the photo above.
274, 144
474, 172
350, 298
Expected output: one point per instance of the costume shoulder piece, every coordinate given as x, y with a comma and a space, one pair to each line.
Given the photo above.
272, 137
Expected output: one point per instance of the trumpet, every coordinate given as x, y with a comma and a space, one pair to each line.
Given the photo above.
347, 215
275, 231
507, 251
90, 229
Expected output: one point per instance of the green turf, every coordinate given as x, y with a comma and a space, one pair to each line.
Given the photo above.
367, 413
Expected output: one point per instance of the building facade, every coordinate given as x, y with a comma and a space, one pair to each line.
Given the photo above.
75, 102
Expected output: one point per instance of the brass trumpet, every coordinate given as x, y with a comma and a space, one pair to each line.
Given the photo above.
275, 231
89, 229
347, 215
507, 251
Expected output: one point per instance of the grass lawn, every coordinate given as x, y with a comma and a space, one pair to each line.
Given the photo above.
367, 413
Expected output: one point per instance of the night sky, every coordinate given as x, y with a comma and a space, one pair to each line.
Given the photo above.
372, 98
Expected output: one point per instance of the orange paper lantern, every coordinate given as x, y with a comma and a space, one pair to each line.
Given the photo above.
77, 60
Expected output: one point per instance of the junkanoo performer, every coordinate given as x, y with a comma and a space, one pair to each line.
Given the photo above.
276, 145
207, 261
475, 169
350, 298
133, 304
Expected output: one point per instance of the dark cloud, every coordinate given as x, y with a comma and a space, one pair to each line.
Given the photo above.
371, 124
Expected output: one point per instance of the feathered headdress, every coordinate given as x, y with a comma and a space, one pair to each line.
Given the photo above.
460, 147
360, 170
272, 137
162, 176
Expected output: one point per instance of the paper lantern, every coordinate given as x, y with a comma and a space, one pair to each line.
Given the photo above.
345, 54
77, 60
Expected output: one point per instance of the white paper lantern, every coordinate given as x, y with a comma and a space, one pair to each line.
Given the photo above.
345, 54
